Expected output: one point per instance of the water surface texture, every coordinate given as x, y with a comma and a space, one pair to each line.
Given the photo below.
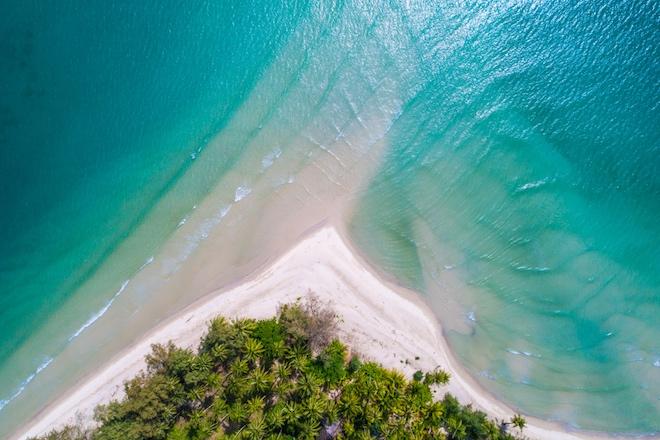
519, 189
103, 109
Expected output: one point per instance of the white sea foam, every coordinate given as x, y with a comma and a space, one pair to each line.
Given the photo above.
98, 314
270, 158
26, 381
532, 185
241, 193
193, 240
532, 268
281, 181
147, 263
523, 353
487, 374
86, 325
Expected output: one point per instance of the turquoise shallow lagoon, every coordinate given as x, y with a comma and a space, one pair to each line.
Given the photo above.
519, 189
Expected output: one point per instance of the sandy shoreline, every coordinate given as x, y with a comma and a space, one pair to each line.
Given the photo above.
382, 322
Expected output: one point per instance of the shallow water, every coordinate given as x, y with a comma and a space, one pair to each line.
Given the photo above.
518, 190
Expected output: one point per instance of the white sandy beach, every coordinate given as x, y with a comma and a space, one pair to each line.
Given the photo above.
381, 322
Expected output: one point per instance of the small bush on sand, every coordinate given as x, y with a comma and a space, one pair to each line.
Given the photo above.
311, 322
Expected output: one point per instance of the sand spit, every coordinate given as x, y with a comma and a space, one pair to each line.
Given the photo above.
380, 321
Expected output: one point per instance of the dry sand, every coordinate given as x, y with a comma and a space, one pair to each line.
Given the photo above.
380, 321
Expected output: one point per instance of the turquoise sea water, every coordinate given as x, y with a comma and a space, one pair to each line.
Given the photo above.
519, 190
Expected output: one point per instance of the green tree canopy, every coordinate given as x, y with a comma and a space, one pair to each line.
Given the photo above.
282, 378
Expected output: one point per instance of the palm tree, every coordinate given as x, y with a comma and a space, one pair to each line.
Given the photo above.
309, 429
256, 429
253, 350
456, 429
314, 408
282, 371
300, 363
349, 404
364, 435
371, 414
239, 367
259, 381
219, 353
308, 384
438, 377
238, 413
519, 422
434, 414
297, 351
214, 383
245, 327
169, 413
196, 419
219, 409
255, 405
284, 388
277, 349
290, 413
275, 416
203, 362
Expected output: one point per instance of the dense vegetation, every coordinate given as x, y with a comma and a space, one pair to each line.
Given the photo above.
283, 378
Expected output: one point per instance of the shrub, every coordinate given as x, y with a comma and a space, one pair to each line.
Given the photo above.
311, 322
354, 364
437, 377
332, 363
